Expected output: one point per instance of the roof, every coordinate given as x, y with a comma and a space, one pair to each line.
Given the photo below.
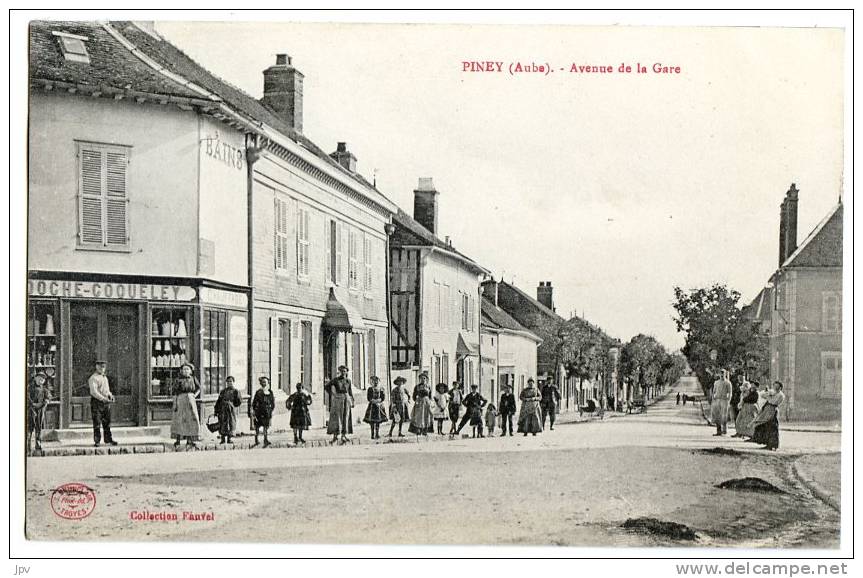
759, 308
115, 65
112, 67
410, 232
823, 246
494, 317
533, 302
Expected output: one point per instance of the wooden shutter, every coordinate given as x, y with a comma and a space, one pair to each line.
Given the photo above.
328, 264
116, 228
274, 351
90, 211
340, 253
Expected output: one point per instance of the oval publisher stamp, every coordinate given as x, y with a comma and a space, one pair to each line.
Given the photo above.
73, 501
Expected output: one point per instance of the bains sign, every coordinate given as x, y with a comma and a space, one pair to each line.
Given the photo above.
223, 152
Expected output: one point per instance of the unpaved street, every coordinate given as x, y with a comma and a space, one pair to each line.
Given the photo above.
573, 486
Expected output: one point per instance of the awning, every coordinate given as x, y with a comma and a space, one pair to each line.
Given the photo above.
341, 317
463, 349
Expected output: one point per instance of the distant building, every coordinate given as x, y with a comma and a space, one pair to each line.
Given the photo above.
801, 311
434, 298
509, 350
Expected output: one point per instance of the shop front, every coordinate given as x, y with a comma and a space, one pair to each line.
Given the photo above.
145, 329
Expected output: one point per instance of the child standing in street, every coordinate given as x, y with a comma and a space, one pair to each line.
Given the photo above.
263, 405
490, 417
298, 404
37, 399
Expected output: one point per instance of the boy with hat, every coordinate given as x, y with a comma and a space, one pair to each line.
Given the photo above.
399, 405
506, 409
474, 402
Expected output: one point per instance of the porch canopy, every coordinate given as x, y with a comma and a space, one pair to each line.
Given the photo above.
341, 316
463, 349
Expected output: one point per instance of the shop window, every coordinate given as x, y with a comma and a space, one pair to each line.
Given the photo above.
214, 365
831, 374
169, 348
103, 220
303, 242
280, 234
42, 352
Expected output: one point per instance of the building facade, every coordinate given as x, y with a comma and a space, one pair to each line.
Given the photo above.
175, 218
434, 299
509, 350
804, 306
130, 258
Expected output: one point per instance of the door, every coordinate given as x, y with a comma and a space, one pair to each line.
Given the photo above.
108, 332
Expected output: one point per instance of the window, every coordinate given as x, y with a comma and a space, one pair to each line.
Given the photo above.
306, 354
103, 220
353, 261
436, 375
73, 48
215, 363
371, 354
367, 261
302, 242
330, 237
444, 368
831, 312
169, 348
282, 377
357, 360
831, 373
280, 237
340, 259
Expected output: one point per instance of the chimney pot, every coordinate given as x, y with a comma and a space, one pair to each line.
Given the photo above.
345, 157
545, 294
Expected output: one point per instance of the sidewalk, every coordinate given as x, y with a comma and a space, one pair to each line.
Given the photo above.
315, 437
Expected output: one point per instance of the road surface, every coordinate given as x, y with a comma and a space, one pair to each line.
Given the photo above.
574, 486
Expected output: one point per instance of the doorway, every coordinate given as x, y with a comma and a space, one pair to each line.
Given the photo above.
108, 332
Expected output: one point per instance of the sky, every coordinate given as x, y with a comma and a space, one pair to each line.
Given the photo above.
614, 187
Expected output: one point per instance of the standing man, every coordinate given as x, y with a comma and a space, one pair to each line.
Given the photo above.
720, 398
341, 402
101, 399
550, 398
506, 407
678, 398
455, 398
474, 402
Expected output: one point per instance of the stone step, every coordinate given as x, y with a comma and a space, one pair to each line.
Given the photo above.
119, 433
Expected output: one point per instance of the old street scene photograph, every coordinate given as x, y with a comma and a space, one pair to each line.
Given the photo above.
435, 284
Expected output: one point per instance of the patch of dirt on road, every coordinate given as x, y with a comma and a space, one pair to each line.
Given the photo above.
655, 527
750, 484
721, 452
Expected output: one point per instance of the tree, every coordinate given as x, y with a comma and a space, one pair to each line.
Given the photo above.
641, 362
718, 334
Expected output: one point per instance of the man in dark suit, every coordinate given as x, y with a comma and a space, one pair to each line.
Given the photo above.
474, 403
506, 408
550, 399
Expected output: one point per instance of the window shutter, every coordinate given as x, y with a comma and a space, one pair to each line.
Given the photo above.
90, 210
328, 242
274, 351
340, 259
116, 227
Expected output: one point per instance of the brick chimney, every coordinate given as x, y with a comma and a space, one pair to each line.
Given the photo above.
425, 205
545, 294
283, 91
489, 290
788, 224
345, 157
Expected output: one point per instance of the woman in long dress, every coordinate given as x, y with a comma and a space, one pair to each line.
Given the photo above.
185, 422
421, 417
748, 411
440, 407
529, 418
376, 413
226, 410
766, 423
298, 404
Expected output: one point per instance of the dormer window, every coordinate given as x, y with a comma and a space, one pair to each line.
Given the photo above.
73, 47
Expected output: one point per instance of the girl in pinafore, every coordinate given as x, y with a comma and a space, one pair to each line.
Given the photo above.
440, 407
421, 418
298, 404
376, 414
263, 405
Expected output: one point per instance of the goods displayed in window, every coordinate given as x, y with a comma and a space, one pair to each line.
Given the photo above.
169, 348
